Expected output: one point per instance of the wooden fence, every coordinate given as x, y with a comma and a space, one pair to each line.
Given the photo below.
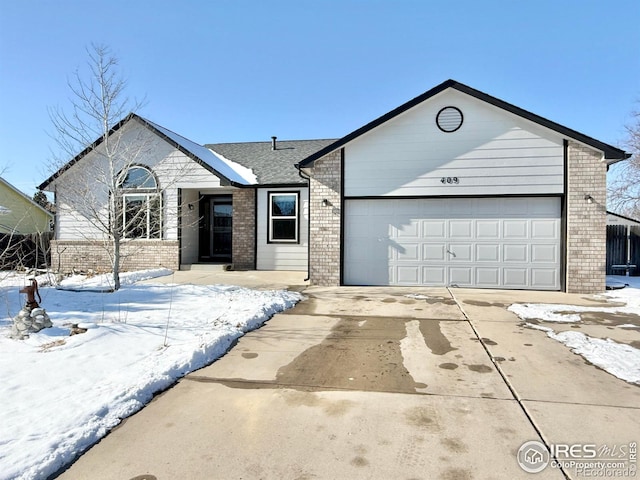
621, 248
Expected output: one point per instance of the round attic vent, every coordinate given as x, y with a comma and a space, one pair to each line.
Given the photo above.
449, 119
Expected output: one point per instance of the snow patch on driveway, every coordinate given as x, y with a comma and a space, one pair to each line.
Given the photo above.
618, 359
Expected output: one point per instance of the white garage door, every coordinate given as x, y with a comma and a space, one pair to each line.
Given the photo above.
502, 242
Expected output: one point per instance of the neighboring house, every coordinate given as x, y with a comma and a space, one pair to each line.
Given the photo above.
453, 188
19, 214
623, 245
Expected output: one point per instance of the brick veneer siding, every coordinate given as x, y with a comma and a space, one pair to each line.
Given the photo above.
244, 229
69, 255
586, 222
325, 221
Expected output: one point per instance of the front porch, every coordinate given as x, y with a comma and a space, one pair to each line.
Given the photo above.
217, 227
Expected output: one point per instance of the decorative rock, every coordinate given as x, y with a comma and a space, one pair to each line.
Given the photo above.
32, 318
29, 321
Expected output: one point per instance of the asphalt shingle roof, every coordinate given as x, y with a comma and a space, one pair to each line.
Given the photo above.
271, 166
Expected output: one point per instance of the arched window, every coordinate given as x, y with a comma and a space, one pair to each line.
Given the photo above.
141, 206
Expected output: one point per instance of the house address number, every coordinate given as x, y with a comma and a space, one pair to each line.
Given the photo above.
451, 180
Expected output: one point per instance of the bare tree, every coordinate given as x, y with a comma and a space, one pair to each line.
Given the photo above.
624, 189
94, 191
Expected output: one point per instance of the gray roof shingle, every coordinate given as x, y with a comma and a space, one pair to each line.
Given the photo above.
272, 167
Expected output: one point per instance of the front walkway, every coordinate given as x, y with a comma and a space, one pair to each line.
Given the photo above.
258, 279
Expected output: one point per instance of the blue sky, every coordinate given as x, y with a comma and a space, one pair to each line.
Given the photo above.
240, 70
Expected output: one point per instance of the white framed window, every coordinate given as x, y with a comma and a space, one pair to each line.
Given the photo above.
141, 205
141, 215
283, 224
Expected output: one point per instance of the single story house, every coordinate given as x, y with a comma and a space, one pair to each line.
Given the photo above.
453, 188
19, 214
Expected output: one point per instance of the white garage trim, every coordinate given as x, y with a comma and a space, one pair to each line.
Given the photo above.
497, 242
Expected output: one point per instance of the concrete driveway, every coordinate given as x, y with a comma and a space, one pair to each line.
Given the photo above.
376, 383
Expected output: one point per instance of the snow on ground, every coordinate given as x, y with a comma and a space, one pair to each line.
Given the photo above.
618, 359
60, 394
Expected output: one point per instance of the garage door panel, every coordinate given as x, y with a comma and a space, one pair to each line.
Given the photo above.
460, 252
407, 253
409, 275
461, 276
434, 229
488, 229
516, 277
544, 253
516, 253
543, 277
409, 231
435, 275
460, 229
487, 277
487, 252
434, 252
470, 242
515, 229
543, 229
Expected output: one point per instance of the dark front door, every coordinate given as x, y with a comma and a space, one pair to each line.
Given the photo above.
216, 220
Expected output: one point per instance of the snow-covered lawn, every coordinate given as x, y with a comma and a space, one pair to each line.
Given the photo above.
619, 359
60, 394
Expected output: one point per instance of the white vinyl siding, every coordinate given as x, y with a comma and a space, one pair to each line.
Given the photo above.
172, 168
282, 256
500, 242
494, 152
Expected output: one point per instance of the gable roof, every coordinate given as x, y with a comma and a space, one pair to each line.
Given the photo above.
612, 154
617, 219
271, 167
221, 167
226, 170
24, 197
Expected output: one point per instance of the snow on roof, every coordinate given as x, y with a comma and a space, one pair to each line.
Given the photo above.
246, 173
230, 170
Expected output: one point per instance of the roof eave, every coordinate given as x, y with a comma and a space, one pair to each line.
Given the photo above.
85, 152
191, 155
148, 125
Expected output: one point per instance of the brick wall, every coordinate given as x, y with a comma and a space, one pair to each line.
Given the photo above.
244, 229
324, 224
70, 255
586, 222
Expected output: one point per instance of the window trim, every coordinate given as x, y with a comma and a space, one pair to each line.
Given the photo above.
271, 217
150, 195
149, 198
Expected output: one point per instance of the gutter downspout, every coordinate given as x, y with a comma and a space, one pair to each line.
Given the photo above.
308, 179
